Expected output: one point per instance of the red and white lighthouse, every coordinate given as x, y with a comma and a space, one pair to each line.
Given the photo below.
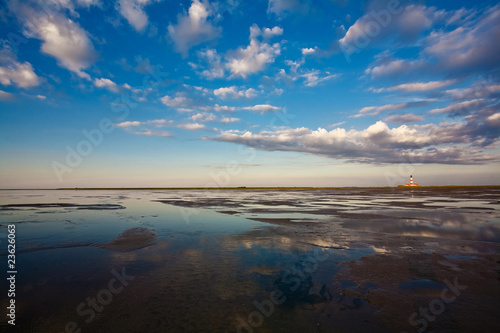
411, 182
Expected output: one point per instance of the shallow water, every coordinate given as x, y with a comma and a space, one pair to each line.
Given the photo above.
346, 260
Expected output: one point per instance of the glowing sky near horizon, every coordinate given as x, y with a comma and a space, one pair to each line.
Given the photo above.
145, 93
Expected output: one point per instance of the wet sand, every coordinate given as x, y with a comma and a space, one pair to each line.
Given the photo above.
295, 260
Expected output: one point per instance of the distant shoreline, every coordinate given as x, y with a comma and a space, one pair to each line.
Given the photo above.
403, 187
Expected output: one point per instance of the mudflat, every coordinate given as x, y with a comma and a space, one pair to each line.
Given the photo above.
256, 260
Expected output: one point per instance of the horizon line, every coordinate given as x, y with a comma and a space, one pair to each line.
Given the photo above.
238, 188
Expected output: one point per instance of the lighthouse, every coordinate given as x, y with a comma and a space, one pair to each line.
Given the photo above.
411, 182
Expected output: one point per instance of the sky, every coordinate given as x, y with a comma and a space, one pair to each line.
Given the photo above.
160, 93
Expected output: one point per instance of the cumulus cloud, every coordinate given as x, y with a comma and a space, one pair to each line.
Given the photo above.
234, 92
203, 117
110, 85
179, 101
194, 28
223, 108
307, 51
265, 33
14, 72
133, 12
448, 143
258, 54
62, 38
227, 120
215, 67
126, 124
262, 108
192, 127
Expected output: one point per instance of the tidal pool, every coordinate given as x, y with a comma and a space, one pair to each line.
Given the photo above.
329, 260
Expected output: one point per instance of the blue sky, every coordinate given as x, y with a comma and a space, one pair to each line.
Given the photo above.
248, 93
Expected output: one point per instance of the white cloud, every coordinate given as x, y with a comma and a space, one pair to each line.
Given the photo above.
192, 127
203, 117
256, 55
62, 38
159, 122
310, 78
376, 110
277, 91
129, 124
307, 51
133, 12
179, 101
494, 120
163, 134
215, 67
262, 108
227, 120
337, 124
418, 86
156, 123
108, 84
194, 28
448, 143
234, 92
265, 33
313, 78
223, 108
14, 72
